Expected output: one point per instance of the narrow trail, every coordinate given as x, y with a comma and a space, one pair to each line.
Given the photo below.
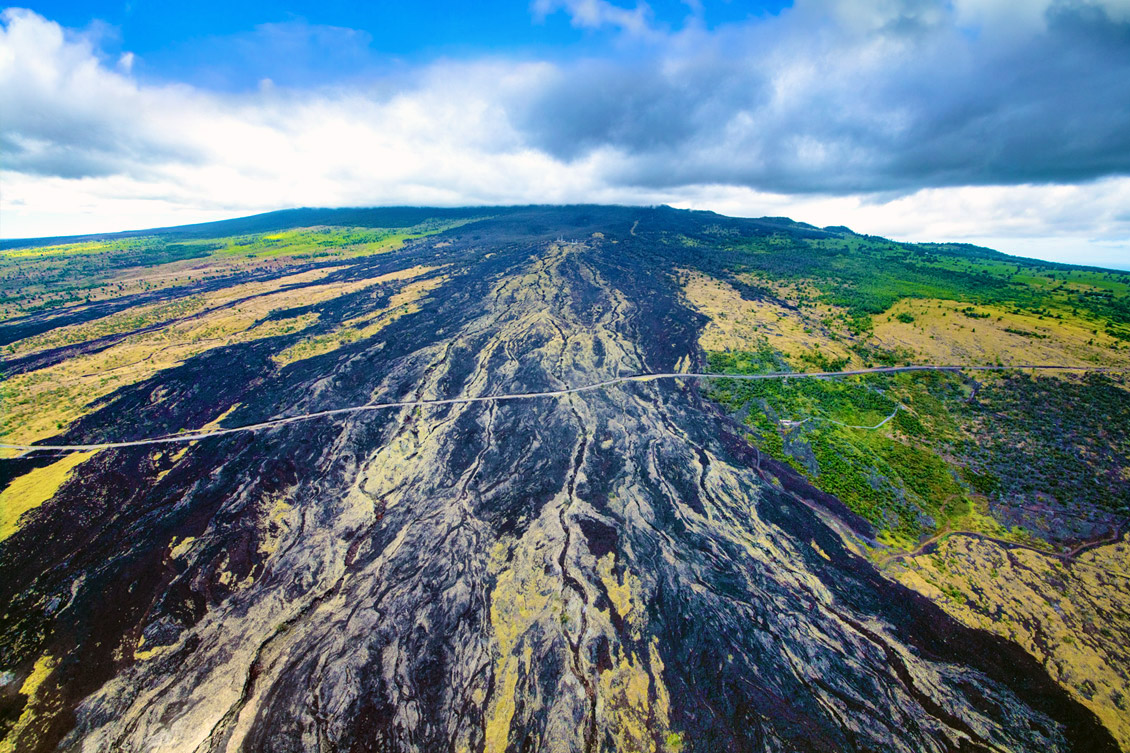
282, 421
1068, 556
881, 424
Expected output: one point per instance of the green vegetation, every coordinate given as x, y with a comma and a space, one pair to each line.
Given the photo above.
905, 489
316, 242
46, 277
1025, 333
1076, 440
762, 361
958, 446
865, 276
925, 470
934, 466
129, 320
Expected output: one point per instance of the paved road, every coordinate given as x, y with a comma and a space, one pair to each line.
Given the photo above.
193, 436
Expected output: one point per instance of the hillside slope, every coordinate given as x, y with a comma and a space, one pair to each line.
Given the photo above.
658, 566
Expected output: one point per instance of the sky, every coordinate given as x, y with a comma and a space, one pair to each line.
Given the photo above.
999, 122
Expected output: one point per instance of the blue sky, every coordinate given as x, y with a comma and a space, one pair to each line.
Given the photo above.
1002, 122
233, 46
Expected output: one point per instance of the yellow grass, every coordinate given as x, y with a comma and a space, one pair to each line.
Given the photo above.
365, 326
523, 597
39, 404
215, 422
624, 691
39, 673
33, 489
133, 280
941, 333
1074, 617
738, 324
141, 316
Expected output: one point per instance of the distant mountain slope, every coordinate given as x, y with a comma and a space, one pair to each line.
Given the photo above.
659, 566
367, 217
269, 222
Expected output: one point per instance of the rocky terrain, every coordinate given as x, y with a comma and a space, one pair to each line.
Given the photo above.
626, 569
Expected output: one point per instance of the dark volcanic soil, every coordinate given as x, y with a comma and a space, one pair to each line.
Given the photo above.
606, 571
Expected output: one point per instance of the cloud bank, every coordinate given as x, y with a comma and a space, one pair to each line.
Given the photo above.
921, 119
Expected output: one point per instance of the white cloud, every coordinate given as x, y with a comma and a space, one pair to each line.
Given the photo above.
88, 148
596, 14
1023, 15
440, 140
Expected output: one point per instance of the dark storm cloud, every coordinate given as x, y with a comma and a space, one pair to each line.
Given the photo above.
66, 144
635, 108
841, 97
804, 104
64, 161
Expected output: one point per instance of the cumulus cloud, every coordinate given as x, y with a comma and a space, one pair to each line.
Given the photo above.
596, 14
856, 96
920, 119
65, 114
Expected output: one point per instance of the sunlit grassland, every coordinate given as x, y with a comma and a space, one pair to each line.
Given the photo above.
71, 274
322, 241
33, 489
139, 317
317, 242
365, 326
850, 300
136, 245
124, 321
805, 337
1072, 616
946, 331
866, 276
41, 403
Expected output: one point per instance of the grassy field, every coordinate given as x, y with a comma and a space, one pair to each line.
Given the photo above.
195, 295
49, 277
902, 485
806, 304
865, 276
1073, 616
946, 454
